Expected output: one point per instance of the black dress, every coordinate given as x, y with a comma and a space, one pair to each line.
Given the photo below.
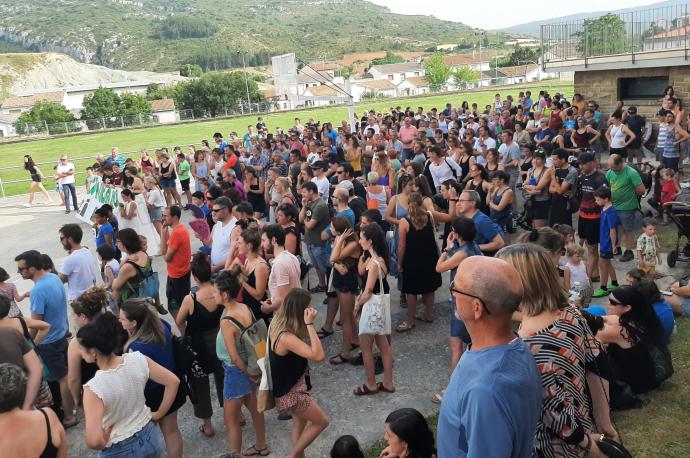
257, 200
419, 264
251, 302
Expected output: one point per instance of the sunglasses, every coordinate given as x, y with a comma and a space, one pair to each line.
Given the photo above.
215, 210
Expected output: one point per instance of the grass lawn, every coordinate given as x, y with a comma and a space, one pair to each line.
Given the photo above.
133, 140
659, 429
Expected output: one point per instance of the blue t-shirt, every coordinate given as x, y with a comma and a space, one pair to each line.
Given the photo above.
668, 322
102, 232
486, 229
470, 248
541, 134
492, 404
348, 213
609, 220
161, 354
48, 298
527, 104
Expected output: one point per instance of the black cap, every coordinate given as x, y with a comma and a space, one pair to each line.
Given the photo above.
632, 109
323, 165
662, 112
585, 158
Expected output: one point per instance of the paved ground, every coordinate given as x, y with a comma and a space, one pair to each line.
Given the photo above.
420, 366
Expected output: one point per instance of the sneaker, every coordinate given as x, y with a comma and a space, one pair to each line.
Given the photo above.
600, 292
27, 205
627, 256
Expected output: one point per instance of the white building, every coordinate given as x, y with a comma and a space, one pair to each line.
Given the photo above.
7, 125
376, 88
164, 110
21, 103
468, 60
396, 73
416, 85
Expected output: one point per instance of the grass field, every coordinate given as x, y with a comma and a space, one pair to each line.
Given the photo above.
659, 429
48, 150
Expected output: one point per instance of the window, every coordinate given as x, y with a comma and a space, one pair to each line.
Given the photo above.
642, 88
390, 77
416, 73
402, 76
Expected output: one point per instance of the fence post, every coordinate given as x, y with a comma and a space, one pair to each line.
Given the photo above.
122, 121
192, 112
26, 128
45, 123
103, 122
226, 111
2, 188
140, 120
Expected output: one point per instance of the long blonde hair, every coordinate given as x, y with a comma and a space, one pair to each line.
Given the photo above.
290, 316
418, 216
543, 289
149, 325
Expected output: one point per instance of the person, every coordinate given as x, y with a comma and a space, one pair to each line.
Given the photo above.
133, 270
9, 290
377, 195
500, 200
220, 240
255, 269
183, 171
177, 251
323, 186
493, 402
673, 136
417, 257
670, 189
285, 267
65, 178
408, 435
155, 202
316, 218
626, 190
255, 186
26, 432
199, 319
441, 167
607, 240
152, 337
575, 276
168, 179
286, 217
536, 187
584, 136
563, 178
36, 180
289, 355
488, 238
239, 388
479, 181
509, 152
618, 135
49, 304
648, 248
562, 343
346, 447
147, 163
200, 168
118, 421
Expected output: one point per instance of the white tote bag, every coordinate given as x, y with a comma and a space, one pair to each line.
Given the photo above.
376, 312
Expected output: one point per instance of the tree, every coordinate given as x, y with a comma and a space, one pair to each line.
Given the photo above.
154, 92
132, 105
465, 75
521, 55
214, 92
187, 26
437, 72
191, 70
103, 103
601, 36
389, 59
43, 112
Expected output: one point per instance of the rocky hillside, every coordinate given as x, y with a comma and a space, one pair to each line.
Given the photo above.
162, 34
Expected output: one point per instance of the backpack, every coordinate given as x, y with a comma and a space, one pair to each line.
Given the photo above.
147, 284
252, 342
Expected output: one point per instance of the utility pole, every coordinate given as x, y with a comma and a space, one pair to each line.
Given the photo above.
246, 81
481, 63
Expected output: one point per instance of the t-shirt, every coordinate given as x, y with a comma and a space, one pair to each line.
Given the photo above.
183, 170
636, 124
104, 230
178, 266
510, 153
543, 133
407, 135
80, 269
488, 143
609, 220
623, 186
448, 169
13, 347
64, 168
48, 298
648, 247
668, 322
220, 247
285, 270
492, 404
318, 210
586, 185
527, 104
324, 187
486, 229
155, 198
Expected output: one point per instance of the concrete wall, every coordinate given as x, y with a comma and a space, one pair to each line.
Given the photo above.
602, 86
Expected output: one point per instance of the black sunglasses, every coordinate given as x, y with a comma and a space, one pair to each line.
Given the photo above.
453, 289
214, 210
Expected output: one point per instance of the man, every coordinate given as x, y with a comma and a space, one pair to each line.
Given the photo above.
418, 153
230, 179
65, 177
407, 134
506, 121
494, 399
115, 158
79, 267
315, 217
279, 163
260, 163
483, 143
346, 172
49, 304
285, 268
509, 152
563, 178
626, 189
636, 124
442, 168
219, 241
249, 138
341, 201
220, 142
589, 214
355, 202
176, 250
528, 102
322, 184
488, 238
395, 143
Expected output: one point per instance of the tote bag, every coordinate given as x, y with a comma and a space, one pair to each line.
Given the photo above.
265, 400
376, 312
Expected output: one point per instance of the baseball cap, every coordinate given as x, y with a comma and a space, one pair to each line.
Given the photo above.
585, 158
662, 112
632, 109
323, 165
346, 184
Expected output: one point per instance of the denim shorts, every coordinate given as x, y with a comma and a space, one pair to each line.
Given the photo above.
630, 220
458, 328
236, 384
685, 305
54, 356
168, 183
146, 443
320, 256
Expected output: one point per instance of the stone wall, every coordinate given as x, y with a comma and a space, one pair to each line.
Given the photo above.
602, 87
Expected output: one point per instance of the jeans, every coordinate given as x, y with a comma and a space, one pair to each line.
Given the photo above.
68, 189
146, 443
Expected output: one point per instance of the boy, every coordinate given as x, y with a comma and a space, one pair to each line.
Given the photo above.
648, 249
607, 240
183, 172
199, 200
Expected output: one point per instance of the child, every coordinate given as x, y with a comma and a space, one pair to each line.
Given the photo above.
90, 179
669, 191
58, 186
199, 201
607, 240
183, 172
346, 447
9, 290
109, 271
648, 248
568, 234
576, 272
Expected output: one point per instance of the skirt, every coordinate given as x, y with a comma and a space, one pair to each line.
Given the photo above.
296, 400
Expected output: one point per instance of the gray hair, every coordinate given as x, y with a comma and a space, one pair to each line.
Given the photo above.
230, 173
474, 196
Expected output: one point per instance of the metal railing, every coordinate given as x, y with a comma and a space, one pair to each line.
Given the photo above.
655, 29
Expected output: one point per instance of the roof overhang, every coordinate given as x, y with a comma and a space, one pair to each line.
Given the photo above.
645, 59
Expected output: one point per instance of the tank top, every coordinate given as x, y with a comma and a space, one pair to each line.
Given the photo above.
251, 302
534, 181
49, 451
465, 165
146, 164
578, 274
581, 140
377, 201
201, 170
166, 169
498, 214
286, 370
222, 350
298, 234
617, 137
400, 211
483, 206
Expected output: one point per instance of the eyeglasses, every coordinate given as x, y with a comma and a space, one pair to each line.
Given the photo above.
340, 172
455, 290
218, 209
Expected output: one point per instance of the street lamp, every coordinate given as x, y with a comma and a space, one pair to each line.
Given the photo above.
246, 82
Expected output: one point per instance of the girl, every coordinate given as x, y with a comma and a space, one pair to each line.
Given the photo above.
255, 269
669, 191
199, 168
168, 180
478, 180
9, 290
408, 435
575, 271
110, 269
255, 187
155, 202
128, 211
36, 178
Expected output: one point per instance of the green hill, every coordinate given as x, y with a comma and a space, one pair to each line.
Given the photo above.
163, 34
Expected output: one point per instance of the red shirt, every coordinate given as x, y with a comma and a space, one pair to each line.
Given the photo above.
179, 241
668, 192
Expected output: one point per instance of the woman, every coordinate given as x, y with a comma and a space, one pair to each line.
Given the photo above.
526, 165
21, 324
521, 136
353, 154
378, 195
492, 163
128, 212
36, 178
118, 421
238, 387
132, 180
478, 180
216, 164
271, 194
255, 187
286, 216
500, 201
289, 357
417, 257
408, 435
395, 212
134, 269
280, 193
536, 188
155, 202
344, 256
466, 159
618, 135
86, 308
27, 432
198, 320
383, 166
168, 180
564, 349
584, 136
255, 269
199, 168
147, 163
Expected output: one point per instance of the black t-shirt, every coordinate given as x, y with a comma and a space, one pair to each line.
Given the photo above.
586, 185
359, 189
636, 124
358, 206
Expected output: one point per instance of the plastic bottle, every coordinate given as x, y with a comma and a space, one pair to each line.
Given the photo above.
575, 295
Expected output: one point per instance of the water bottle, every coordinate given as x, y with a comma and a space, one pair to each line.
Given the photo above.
575, 295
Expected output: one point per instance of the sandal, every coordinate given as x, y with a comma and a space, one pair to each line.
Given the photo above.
403, 301
317, 289
382, 387
364, 390
203, 431
323, 333
404, 327
354, 346
338, 359
252, 451
438, 397
71, 423
420, 317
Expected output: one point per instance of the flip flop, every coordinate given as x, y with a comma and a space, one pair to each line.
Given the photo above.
438, 397
404, 327
69, 424
253, 451
364, 391
323, 333
338, 359
382, 387
420, 317
203, 431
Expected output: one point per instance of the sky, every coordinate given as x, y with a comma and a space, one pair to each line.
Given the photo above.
509, 12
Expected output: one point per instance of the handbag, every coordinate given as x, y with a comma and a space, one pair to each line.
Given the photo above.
376, 312
264, 396
612, 449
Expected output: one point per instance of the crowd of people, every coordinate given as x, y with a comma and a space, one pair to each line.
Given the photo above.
405, 195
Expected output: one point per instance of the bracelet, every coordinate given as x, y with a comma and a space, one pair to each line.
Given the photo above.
310, 324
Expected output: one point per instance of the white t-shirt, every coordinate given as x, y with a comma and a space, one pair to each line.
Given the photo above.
64, 168
324, 187
488, 143
114, 266
155, 198
285, 270
80, 269
220, 246
444, 171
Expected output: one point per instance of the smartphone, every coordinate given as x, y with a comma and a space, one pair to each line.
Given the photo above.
666, 293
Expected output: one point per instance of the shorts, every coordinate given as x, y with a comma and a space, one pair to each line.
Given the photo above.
155, 214
36, 177
540, 209
176, 289
297, 399
168, 183
685, 305
622, 152
145, 443
670, 162
588, 230
635, 152
630, 220
185, 184
54, 356
320, 257
348, 283
236, 385
458, 328
606, 254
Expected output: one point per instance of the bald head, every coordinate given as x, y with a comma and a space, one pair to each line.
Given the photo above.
493, 280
